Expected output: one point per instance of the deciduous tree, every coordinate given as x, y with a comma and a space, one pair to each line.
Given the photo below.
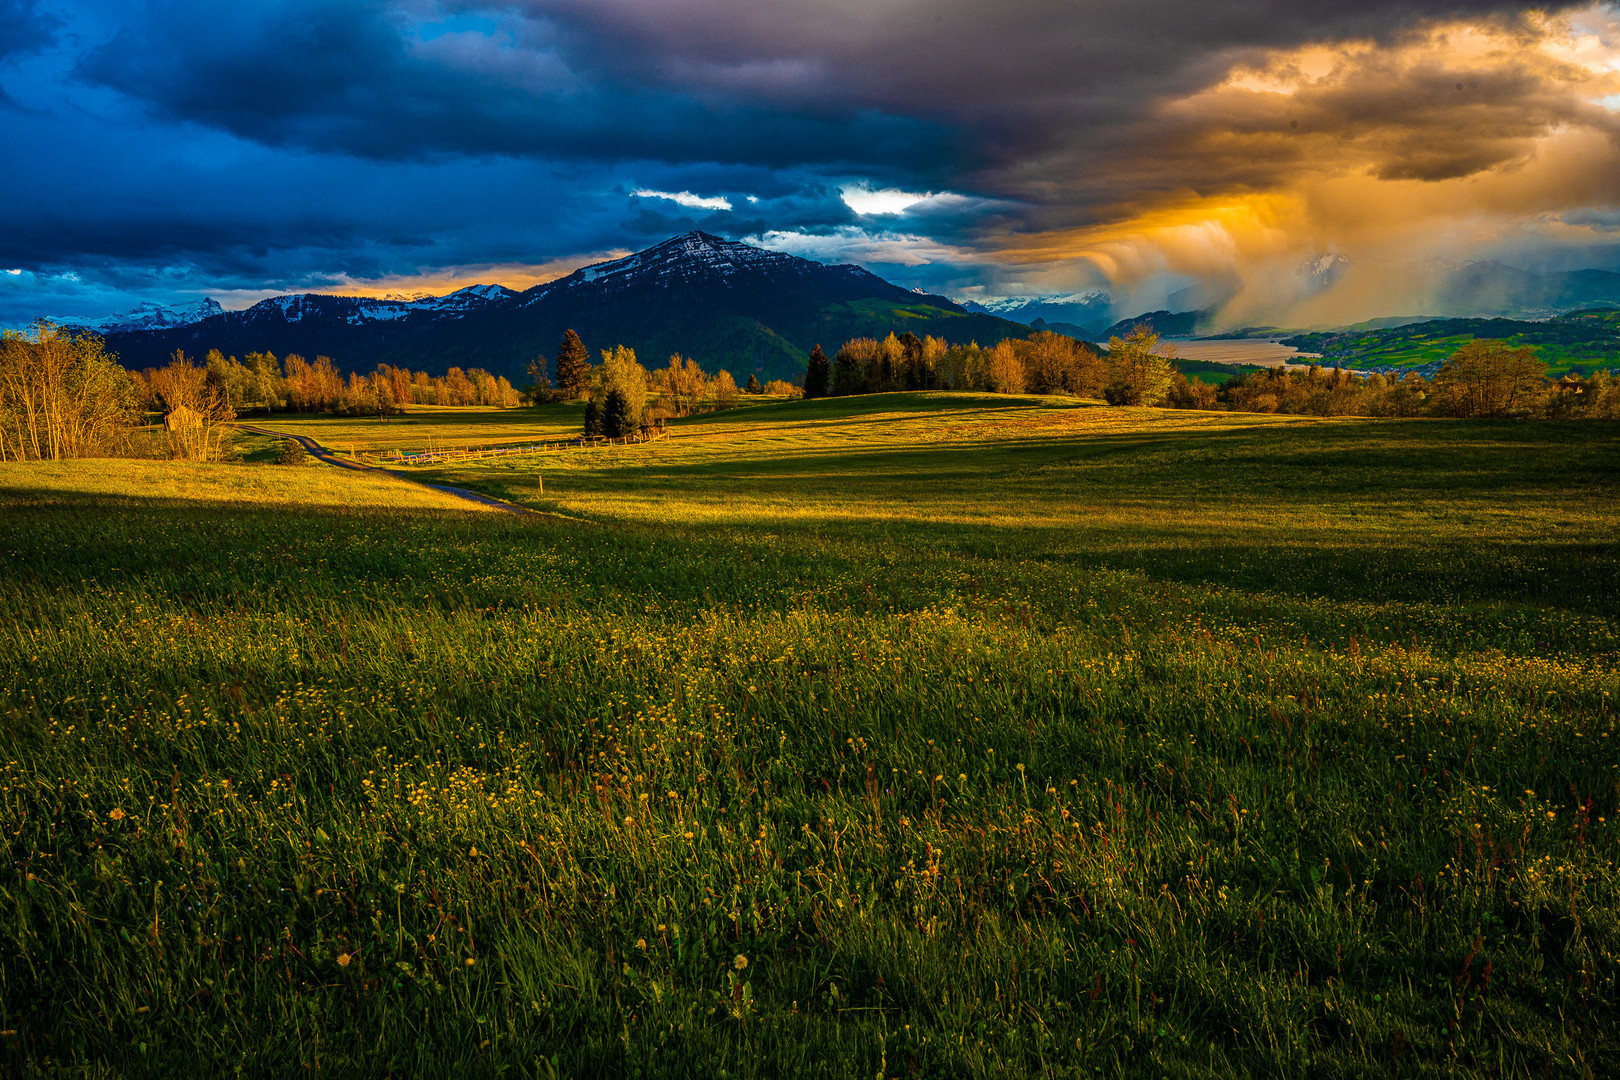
1488, 378
1138, 368
62, 396
196, 408
680, 384
621, 371
724, 389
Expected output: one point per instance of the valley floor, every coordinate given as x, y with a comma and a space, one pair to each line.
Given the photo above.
911, 735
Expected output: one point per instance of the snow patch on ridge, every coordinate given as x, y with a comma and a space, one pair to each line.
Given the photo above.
693, 255
146, 316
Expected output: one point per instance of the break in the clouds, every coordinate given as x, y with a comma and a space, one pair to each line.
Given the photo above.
686, 198
164, 149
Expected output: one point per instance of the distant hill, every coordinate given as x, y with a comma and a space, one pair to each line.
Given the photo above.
725, 304
1163, 323
1581, 340
1492, 288
1084, 333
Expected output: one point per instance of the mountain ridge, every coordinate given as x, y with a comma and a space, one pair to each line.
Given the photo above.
723, 302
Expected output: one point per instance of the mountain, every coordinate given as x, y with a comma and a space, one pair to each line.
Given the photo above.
1165, 323
1493, 288
144, 317
1084, 333
723, 303
1086, 314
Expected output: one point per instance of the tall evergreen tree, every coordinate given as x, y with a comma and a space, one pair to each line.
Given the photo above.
616, 419
817, 374
593, 418
848, 378
573, 365
911, 360
753, 386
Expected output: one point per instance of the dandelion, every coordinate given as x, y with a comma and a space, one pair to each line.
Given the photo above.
471, 960
116, 814
641, 943
343, 959
740, 963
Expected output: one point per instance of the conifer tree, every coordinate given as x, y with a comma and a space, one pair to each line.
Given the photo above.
753, 385
573, 365
616, 419
910, 377
848, 378
817, 375
593, 418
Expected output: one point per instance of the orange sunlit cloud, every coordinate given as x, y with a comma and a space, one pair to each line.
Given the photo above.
1451, 140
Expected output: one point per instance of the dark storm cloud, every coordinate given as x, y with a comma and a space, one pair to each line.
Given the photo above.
1052, 104
354, 78
24, 27
1020, 81
283, 143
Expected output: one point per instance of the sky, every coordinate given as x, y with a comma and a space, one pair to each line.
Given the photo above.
166, 150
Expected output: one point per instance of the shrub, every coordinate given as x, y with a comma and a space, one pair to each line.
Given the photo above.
292, 453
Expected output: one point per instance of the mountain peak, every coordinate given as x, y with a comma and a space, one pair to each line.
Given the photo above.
147, 316
693, 256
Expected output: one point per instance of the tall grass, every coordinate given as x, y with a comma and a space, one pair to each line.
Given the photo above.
1051, 761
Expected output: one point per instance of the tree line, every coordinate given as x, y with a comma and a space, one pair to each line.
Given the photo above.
1134, 371
623, 397
295, 384
1481, 379
63, 396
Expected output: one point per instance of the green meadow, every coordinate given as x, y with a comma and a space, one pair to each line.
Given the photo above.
913, 735
1581, 341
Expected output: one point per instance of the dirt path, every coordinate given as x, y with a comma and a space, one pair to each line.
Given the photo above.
323, 454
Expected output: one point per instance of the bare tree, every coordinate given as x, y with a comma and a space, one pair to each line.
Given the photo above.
196, 408
62, 396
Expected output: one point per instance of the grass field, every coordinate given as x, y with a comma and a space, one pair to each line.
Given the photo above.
912, 735
430, 427
134, 485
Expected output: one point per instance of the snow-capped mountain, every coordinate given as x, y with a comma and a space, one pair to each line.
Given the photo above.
147, 316
1078, 311
1323, 272
361, 310
468, 299
700, 261
726, 304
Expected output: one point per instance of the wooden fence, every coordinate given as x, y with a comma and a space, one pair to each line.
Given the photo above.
579, 442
